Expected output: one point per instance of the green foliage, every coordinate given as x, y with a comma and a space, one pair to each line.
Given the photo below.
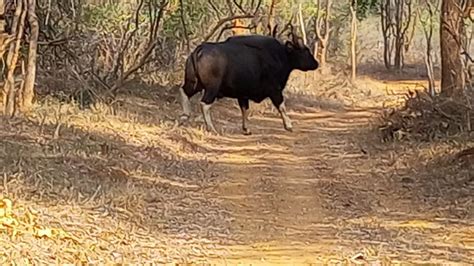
367, 7
105, 17
425, 20
109, 18
195, 13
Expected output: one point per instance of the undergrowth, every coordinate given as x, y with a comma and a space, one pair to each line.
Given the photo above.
425, 118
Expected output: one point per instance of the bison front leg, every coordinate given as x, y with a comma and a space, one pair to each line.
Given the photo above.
206, 103
279, 102
244, 107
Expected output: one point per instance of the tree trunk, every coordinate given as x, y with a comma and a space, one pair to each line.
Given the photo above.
403, 18
411, 27
452, 73
353, 9
271, 16
388, 26
396, 19
327, 30
12, 59
428, 28
301, 20
28, 89
399, 5
2, 20
429, 64
322, 31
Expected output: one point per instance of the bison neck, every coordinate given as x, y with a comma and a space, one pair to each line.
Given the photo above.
284, 76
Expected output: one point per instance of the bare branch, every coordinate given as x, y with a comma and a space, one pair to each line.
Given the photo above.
231, 27
221, 22
213, 6
238, 5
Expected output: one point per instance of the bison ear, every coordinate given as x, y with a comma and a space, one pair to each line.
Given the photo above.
289, 46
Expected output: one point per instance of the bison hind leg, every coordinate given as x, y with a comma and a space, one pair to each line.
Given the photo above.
206, 102
244, 107
187, 91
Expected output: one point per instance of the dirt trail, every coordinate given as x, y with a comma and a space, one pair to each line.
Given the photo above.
323, 190
327, 192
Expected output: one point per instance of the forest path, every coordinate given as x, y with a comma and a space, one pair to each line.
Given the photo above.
133, 186
328, 190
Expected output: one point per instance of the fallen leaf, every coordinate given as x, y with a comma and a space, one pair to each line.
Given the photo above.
358, 258
8, 221
47, 232
30, 218
6, 206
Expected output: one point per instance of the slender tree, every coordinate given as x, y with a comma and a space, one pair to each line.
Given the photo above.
452, 73
427, 22
28, 89
396, 18
353, 10
9, 89
322, 29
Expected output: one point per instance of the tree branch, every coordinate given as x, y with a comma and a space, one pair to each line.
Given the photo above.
221, 22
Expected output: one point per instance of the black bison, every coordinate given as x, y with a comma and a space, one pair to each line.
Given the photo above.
250, 67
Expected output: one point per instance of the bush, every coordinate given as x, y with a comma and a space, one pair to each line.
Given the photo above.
425, 118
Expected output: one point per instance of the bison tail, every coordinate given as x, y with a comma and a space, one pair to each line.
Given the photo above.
194, 62
191, 82
191, 78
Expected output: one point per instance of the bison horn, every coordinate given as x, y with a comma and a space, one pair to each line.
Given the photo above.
274, 32
288, 26
292, 35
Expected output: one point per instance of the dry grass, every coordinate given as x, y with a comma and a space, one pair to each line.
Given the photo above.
424, 117
125, 183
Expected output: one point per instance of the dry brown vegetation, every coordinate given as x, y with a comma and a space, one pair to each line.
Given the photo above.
126, 183
123, 181
424, 117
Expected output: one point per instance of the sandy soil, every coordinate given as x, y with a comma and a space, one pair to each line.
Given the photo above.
134, 186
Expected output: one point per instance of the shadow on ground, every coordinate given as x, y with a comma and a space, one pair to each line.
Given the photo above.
410, 72
328, 189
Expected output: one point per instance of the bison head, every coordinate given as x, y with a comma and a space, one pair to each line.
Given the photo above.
299, 54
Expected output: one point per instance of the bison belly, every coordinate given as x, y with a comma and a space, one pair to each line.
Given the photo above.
245, 83
255, 94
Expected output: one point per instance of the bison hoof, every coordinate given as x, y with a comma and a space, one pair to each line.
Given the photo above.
247, 132
289, 129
